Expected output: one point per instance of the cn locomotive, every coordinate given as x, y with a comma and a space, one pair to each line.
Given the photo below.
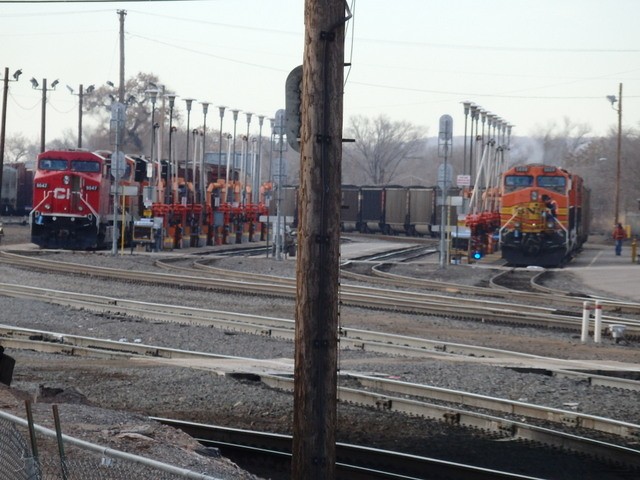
73, 200
544, 215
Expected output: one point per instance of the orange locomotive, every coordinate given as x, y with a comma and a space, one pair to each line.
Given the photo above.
544, 215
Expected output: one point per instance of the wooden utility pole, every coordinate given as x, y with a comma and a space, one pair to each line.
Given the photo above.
315, 391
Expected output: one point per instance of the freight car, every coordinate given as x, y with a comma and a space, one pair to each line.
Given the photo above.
17, 187
390, 210
544, 215
73, 200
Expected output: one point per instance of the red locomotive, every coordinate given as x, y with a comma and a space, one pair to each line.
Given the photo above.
73, 200
544, 215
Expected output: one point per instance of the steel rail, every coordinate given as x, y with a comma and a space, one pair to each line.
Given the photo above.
400, 301
510, 428
52, 342
352, 461
563, 298
350, 338
414, 283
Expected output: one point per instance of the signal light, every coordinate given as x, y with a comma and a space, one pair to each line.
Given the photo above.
477, 255
293, 107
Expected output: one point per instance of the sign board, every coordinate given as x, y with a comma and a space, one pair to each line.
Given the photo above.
450, 201
118, 164
445, 176
125, 190
463, 180
279, 124
445, 133
118, 111
274, 219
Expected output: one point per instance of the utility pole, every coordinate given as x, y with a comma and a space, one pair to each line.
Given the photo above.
618, 154
122, 14
317, 271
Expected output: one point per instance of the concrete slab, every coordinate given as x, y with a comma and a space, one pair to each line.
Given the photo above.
599, 268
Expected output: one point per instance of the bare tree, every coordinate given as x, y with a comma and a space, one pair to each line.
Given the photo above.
560, 146
381, 146
19, 148
137, 135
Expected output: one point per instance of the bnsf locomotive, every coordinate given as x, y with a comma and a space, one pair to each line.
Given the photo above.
544, 215
73, 201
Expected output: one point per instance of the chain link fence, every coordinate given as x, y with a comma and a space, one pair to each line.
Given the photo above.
74, 460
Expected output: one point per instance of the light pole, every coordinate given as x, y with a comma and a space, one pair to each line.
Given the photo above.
221, 109
467, 107
153, 97
272, 125
233, 158
613, 100
475, 113
188, 102
3, 128
228, 136
246, 162
205, 110
258, 178
196, 150
254, 190
171, 169
81, 93
35, 85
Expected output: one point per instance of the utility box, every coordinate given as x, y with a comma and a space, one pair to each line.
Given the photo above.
148, 232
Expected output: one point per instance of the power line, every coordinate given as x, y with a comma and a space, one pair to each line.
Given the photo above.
474, 94
199, 52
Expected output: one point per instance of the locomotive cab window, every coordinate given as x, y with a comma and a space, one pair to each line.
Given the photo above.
52, 164
555, 183
84, 166
515, 182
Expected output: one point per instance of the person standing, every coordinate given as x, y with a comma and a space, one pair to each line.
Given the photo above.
619, 234
551, 205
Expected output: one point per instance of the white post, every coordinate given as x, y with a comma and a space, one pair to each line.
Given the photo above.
597, 329
586, 313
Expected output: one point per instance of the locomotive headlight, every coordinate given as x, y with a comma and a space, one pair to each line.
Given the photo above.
66, 179
47, 207
534, 195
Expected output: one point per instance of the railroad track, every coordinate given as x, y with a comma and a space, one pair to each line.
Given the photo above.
381, 399
533, 293
350, 338
359, 296
555, 427
353, 462
364, 340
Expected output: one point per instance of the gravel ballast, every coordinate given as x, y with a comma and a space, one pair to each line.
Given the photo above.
109, 388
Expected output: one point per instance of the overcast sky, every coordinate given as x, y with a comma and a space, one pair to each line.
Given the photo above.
532, 63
